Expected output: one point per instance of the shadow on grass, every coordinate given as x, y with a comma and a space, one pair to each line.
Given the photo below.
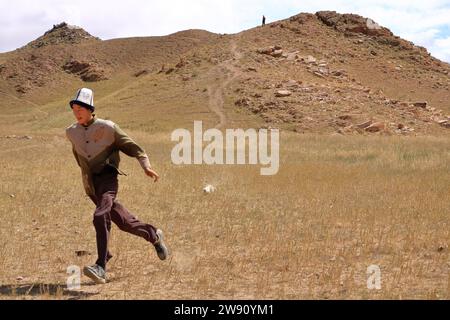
39, 289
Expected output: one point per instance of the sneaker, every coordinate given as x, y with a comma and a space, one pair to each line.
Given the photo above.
160, 246
95, 273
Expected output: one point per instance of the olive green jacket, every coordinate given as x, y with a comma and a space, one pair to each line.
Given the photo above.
97, 145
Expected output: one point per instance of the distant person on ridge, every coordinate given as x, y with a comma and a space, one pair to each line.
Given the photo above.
96, 144
263, 21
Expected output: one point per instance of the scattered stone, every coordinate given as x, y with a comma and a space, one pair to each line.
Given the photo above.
375, 127
181, 64
317, 73
420, 104
364, 125
277, 53
244, 102
141, 73
267, 50
291, 56
291, 84
346, 129
444, 123
283, 93
22, 88
163, 69
20, 278
341, 123
345, 117
82, 253
404, 104
323, 71
310, 60
338, 73
19, 137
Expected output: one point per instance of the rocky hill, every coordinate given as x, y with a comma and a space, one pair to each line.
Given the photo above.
62, 33
321, 73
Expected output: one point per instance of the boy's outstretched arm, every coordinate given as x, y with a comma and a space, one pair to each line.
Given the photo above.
125, 144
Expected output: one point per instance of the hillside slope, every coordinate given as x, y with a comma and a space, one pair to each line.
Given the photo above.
322, 73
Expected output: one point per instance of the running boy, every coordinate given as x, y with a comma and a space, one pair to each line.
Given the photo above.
96, 144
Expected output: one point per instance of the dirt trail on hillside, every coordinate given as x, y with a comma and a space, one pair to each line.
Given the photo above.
223, 74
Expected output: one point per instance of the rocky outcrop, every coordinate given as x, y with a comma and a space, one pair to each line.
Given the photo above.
352, 23
87, 71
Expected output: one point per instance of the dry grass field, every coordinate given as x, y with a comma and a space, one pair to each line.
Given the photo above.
337, 206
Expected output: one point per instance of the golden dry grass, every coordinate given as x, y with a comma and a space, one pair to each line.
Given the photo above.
338, 205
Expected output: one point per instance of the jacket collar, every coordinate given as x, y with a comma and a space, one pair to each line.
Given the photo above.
90, 122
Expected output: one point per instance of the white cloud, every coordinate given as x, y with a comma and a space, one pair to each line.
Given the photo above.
423, 22
441, 47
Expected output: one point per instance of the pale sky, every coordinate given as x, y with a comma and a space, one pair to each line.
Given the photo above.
426, 23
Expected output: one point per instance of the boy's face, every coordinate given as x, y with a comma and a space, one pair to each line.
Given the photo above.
82, 114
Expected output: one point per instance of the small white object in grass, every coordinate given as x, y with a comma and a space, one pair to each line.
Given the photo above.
209, 189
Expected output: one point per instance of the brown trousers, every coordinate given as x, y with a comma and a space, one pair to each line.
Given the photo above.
109, 209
